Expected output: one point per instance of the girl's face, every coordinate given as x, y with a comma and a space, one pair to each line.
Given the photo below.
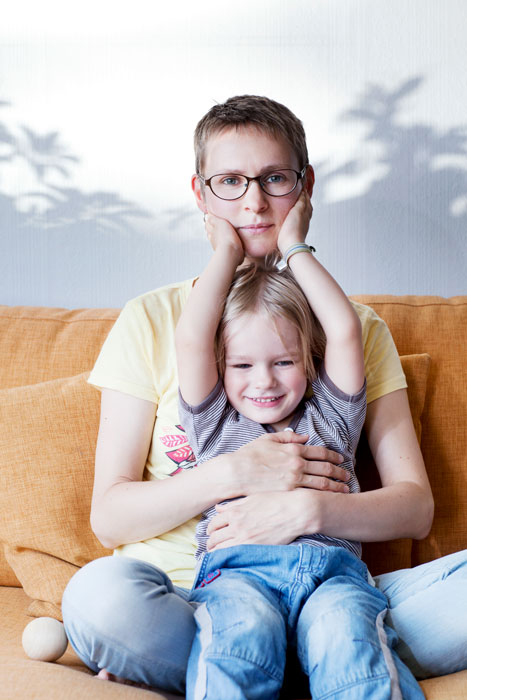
264, 375
256, 217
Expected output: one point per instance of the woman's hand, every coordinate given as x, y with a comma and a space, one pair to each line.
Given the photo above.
296, 223
264, 518
221, 233
282, 462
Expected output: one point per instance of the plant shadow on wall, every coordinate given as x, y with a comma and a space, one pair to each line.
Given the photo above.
395, 208
51, 205
54, 233
403, 221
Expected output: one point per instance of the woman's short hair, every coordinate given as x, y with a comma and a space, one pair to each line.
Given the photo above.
263, 113
262, 288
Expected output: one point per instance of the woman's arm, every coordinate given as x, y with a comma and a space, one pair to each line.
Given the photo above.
126, 509
402, 507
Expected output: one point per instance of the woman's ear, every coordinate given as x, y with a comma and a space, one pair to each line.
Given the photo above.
309, 179
199, 194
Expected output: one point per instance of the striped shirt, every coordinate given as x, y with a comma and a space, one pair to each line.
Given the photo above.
330, 417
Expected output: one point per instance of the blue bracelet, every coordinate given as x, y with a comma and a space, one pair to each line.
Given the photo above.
298, 248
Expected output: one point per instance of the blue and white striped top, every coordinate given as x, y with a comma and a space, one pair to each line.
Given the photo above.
330, 417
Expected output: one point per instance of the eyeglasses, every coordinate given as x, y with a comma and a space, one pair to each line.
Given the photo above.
277, 183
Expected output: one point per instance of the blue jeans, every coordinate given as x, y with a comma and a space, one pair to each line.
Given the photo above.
255, 600
428, 610
125, 615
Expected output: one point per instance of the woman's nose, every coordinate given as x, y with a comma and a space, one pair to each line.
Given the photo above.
255, 198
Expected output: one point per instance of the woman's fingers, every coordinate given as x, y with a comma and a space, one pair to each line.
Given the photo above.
321, 483
283, 462
295, 445
319, 453
264, 518
218, 521
318, 467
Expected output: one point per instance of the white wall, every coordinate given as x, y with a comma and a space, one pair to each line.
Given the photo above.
100, 100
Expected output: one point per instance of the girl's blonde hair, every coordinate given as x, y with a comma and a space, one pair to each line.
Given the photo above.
262, 287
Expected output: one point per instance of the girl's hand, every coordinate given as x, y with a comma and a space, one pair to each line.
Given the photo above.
296, 223
221, 234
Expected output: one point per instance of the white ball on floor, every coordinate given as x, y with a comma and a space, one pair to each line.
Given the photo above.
44, 639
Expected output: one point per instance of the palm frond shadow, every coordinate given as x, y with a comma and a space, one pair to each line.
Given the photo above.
53, 206
415, 202
400, 227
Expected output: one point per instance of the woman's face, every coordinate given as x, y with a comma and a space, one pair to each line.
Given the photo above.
257, 217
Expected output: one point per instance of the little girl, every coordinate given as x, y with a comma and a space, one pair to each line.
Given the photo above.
262, 350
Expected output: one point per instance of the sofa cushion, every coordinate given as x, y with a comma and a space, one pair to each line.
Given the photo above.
70, 678
39, 343
48, 433
7, 575
26, 679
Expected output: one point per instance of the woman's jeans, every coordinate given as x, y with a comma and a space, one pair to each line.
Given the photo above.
126, 616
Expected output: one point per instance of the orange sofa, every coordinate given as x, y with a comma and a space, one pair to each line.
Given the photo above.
48, 428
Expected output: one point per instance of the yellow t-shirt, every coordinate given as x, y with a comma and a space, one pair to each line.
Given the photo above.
138, 358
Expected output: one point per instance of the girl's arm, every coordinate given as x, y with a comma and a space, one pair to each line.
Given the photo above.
198, 323
344, 361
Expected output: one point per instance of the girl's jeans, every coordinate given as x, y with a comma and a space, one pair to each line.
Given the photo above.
126, 616
254, 600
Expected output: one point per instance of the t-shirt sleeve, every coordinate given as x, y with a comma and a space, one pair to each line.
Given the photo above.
383, 369
203, 423
125, 362
346, 411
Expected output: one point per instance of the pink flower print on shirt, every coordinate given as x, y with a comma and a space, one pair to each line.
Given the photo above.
174, 440
182, 454
183, 457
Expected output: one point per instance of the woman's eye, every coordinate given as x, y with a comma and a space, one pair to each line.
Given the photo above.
275, 178
230, 181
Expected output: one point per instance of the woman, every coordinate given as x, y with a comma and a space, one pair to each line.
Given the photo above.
128, 616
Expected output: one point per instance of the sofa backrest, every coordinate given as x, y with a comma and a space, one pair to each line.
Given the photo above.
437, 326
38, 344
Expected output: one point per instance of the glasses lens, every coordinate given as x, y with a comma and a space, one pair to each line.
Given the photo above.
279, 182
228, 186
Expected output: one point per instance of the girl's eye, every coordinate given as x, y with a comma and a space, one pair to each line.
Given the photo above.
242, 365
285, 363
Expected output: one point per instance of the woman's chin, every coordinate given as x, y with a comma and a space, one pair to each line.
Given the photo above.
258, 252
